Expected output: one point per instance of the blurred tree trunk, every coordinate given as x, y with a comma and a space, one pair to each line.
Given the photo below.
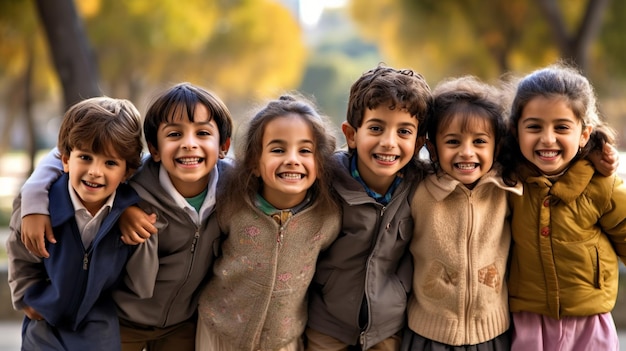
31, 144
70, 50
20, 95
9, 120
575, 46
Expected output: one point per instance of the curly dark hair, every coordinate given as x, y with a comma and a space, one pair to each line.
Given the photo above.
397, 88
402, 89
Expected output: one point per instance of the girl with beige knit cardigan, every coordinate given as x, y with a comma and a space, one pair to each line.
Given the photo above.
277, 215
462, 234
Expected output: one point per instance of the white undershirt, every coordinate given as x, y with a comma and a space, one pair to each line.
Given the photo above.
209, 202
88, 225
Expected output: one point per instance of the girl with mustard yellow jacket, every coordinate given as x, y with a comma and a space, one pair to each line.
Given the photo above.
569, 226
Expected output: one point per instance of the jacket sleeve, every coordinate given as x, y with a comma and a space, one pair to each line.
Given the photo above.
35, 189
613, 220
142, 267
25, 269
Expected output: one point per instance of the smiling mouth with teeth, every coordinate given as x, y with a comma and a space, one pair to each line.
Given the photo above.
189, 160
92, 185
385, 158
291, 176
547, 153
466, 166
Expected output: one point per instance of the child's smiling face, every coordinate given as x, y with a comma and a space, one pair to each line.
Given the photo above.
384, 143
94, 176
287, 163
188, 150
550, 134
466, 148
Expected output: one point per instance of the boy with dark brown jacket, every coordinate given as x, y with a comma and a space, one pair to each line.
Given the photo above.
359, 292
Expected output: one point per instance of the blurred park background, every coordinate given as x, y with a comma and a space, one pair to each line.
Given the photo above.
55, 52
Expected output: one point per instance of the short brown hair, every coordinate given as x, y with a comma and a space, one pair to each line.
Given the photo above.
397, 88
103, 125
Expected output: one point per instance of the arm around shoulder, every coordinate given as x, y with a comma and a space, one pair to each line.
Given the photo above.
35, 190
35, 204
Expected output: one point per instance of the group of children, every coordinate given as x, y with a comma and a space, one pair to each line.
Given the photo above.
508, 239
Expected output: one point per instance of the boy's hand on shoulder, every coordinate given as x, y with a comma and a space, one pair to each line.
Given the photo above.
136, 225
605, 162
35, 228
32, 314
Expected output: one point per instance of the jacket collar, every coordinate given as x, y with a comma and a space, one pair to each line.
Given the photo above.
62, 210
570, 185
350, 190
441, 186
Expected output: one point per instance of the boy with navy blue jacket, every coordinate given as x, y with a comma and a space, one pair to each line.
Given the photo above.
67, 297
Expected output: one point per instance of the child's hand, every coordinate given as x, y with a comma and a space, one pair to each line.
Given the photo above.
34, 228
605, 162
136, 225
32, 314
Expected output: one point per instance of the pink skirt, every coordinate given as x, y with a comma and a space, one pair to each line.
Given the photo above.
536, 332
